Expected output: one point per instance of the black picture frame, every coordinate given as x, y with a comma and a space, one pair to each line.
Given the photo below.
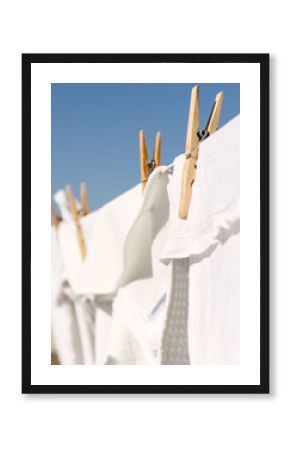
263, 61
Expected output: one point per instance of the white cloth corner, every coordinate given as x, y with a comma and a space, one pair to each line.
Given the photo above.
61, 201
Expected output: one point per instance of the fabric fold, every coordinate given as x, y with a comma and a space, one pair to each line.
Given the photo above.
215, 202
203, 310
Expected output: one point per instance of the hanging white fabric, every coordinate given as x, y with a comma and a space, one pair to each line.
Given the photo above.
65, 328
208, 244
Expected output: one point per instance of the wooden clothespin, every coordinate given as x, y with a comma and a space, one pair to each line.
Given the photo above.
147, 166
84, 199
77, 214
55, 218
193, 137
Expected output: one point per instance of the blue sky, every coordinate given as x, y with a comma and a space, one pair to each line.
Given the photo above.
95, 130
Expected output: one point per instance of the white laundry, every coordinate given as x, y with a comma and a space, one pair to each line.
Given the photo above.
105, 232
85, 314
72, 317
123, 245
61, 201
136, 329
207, 245
173, 284
103, 320
95, 280
193, 326
139, 305
214, 327
128, 339
65, 329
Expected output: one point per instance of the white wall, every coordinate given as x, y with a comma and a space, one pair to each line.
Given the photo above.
201, 422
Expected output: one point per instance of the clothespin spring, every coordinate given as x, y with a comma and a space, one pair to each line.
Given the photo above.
151, 164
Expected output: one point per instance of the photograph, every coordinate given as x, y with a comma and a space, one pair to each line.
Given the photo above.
151, 212
141, 272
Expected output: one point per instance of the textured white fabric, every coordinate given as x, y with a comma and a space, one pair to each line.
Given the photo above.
105, 261
65, 329
201, 313
95, 279
214, 310
116, 236
207, 243
103, 320
61, 201
138, 306
186, 310
105, 232
136, 330
215, 202
174, 345
128, 340
85, 314
74, 316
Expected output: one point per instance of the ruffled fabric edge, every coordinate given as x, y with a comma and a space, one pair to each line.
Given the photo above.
196, 244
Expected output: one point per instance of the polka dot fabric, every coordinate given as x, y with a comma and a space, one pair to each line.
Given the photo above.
174, 345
